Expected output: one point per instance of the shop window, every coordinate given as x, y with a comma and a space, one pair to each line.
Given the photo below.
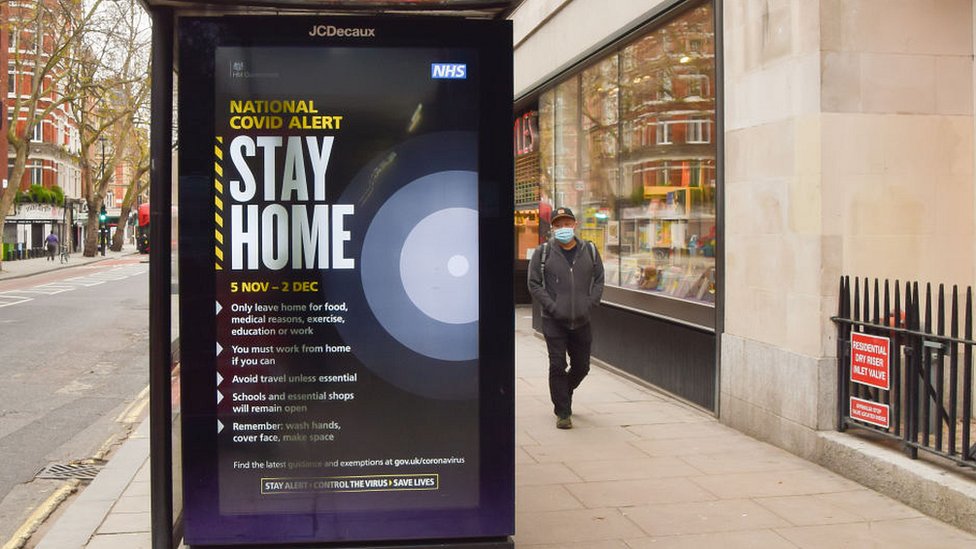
650, 209
593, 202
612, 146
566, 136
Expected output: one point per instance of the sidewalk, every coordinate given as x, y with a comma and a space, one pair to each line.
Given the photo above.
638, 470
38, 265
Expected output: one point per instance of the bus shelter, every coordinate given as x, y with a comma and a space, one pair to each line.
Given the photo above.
326, 236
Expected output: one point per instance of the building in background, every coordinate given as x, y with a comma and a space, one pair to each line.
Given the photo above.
732, 160
4, 93
52, 157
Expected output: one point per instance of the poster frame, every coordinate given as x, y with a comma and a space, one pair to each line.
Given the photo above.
493, 517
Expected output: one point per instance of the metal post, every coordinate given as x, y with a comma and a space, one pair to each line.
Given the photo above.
160, 315
843, 335
102, 226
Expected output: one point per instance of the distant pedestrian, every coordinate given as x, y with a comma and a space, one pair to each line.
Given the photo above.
52, 245
566, 279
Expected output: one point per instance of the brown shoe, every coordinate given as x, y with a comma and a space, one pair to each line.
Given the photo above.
564, 423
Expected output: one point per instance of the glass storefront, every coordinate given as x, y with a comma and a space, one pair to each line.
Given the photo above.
528, 231
628, 142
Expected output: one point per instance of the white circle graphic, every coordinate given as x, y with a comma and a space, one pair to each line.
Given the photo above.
438, 265
458, 266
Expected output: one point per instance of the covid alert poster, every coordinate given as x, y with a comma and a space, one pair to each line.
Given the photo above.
347, 352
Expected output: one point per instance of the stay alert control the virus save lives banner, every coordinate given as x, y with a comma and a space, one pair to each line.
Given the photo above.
332, 283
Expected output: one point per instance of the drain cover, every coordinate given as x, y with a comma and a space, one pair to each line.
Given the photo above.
67, 471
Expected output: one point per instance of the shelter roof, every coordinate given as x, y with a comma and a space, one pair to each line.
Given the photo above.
477, 9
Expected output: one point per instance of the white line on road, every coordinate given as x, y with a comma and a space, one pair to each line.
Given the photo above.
16, 297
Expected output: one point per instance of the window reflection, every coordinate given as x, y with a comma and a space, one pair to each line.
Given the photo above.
628, 143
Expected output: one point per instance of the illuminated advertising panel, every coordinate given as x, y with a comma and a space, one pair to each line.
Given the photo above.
345, 218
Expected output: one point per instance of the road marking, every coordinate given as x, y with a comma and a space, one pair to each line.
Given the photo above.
13, 300
84, 281
37, 518
74, 388
49, 289
16, 297
132, 412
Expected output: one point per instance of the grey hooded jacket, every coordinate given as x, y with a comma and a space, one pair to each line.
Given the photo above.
569, 291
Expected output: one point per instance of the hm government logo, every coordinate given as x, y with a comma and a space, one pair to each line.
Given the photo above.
239, 69
344, 32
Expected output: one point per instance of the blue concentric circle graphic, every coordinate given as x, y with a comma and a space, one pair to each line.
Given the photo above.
439, 265
405, 265
413, 298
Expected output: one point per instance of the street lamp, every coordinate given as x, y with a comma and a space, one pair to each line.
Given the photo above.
102, 215
101, 167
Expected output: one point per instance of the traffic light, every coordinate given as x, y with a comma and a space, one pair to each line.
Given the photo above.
102, 215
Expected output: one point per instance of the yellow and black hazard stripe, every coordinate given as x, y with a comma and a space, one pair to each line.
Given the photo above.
219, 204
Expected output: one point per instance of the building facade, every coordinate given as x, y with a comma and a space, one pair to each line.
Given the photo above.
54, 139
733, 160
625, 133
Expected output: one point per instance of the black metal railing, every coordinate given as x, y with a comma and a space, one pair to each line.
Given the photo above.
927, 368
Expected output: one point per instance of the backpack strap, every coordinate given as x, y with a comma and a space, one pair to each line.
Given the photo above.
592, 248
542, 261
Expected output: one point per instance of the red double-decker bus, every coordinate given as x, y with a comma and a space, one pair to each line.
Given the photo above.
142, 230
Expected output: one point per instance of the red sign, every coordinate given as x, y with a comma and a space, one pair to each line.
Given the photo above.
526, 133
869, 360
869, 412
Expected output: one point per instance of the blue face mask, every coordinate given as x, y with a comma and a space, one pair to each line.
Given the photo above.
563, 234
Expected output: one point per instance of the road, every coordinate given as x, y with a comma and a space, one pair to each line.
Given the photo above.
73, 368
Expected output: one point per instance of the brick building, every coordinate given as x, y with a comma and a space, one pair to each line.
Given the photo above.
54, 139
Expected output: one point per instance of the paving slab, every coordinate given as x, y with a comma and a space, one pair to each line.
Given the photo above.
638, 471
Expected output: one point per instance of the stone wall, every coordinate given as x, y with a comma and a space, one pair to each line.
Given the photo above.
849, 150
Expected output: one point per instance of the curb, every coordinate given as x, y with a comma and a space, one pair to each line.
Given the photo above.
83, 517
938, 492
41, 514
60, 266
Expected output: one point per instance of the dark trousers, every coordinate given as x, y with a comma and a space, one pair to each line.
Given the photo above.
561, 340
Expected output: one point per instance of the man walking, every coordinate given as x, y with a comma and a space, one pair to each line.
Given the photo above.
52, 245
566, 279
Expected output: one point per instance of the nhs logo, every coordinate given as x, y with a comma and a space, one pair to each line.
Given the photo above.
457, 71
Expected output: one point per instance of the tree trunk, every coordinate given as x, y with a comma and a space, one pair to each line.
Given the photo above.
91, 235
92, 225
13, 184
119, 238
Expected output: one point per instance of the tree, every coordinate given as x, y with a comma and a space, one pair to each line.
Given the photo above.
109, 84
137, 158
42, 34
